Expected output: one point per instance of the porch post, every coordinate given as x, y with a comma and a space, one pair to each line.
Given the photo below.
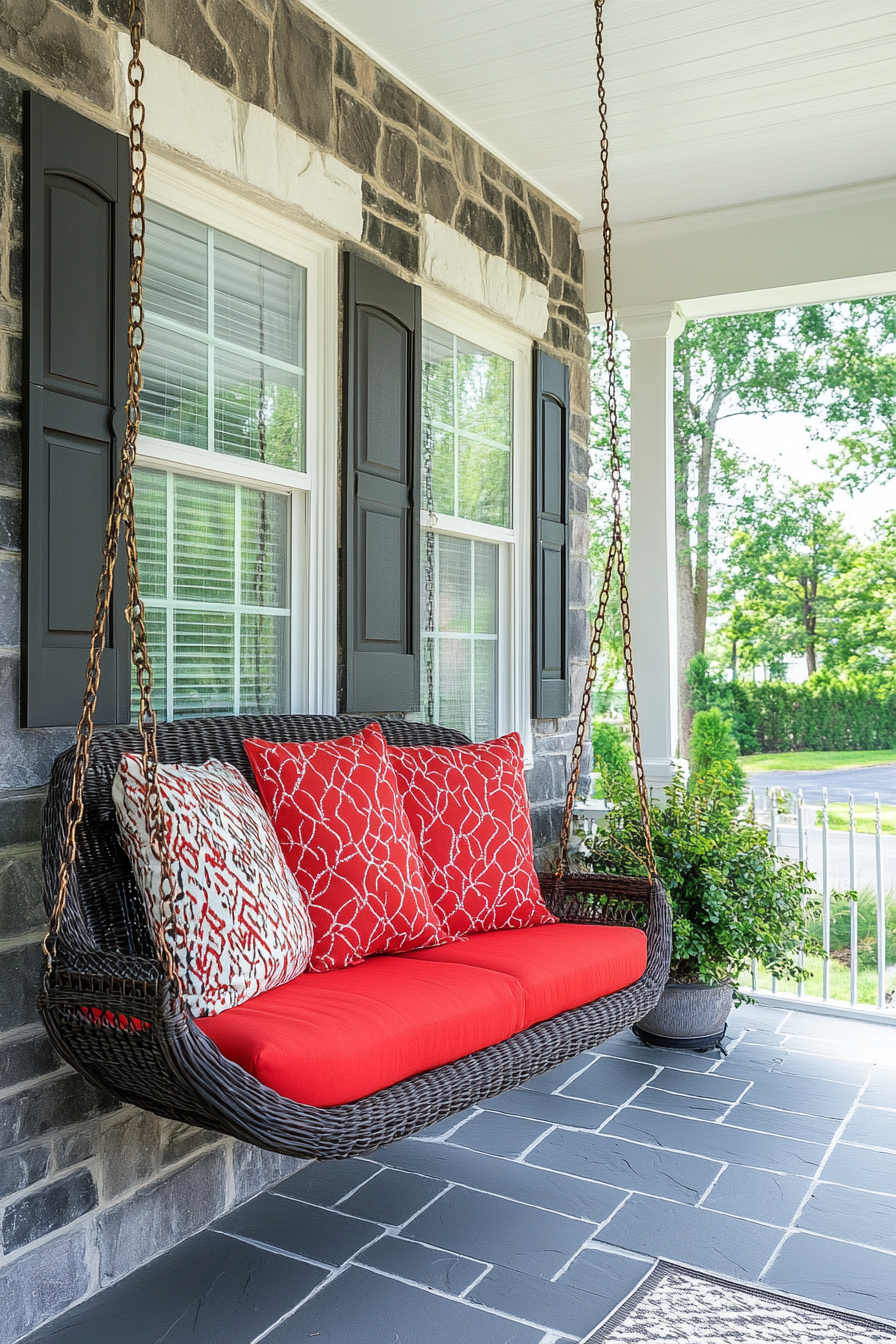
652, 577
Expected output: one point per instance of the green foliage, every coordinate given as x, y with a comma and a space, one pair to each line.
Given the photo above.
733, 898
866, 928
829, 712
713, 741
612, 759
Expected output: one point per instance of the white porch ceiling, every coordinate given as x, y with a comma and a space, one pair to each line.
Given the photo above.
713, 103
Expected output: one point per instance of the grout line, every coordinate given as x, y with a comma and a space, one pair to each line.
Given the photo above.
535, 1142
479, 1277
324, 1283
790, 1229
450, 1297
443, 1138
710, 1187
579, 1249
399, 1227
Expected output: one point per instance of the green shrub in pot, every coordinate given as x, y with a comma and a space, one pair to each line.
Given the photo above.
733, 897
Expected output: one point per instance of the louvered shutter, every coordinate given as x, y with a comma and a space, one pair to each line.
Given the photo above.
75, 389
380, 579
550, 617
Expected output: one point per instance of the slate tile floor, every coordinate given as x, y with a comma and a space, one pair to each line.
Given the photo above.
529, 1218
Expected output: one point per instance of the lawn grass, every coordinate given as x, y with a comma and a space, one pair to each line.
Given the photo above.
866, 987
838, 818
817, 760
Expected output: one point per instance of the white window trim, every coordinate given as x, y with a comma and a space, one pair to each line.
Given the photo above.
313, 532
515, 552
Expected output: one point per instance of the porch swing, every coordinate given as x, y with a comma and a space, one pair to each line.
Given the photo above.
110, 996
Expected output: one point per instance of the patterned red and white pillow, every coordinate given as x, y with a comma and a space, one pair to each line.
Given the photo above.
338, 816
469, 812
241, 925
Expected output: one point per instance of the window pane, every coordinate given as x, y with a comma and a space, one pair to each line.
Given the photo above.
203, 663
484, 384
176, 278
265, 549
485, 616
468, 427
151, 493
485, 689
441, 446
259, 300
454, 670
264, 664
229, 550
204, 560
438, 375
453, 584
461, 656
155, 621
483, 482
174, 400
259, 411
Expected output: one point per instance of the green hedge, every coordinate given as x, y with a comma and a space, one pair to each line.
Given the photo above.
825, 713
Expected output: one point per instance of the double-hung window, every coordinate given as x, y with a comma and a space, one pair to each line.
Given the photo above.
474, 548
223, 486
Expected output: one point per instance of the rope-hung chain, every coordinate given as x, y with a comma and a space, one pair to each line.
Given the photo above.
122, 511
616, 554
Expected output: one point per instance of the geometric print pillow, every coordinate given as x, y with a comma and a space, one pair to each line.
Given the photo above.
241, 925
469, 812
346, 839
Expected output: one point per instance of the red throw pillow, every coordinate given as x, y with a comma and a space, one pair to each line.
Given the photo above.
469, 811
338, 816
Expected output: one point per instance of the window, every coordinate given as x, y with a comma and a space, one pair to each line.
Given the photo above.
475, 461
224, 494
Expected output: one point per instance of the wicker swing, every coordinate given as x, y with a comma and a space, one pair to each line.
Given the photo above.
110, 997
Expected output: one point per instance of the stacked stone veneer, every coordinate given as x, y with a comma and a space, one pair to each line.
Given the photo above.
89, 1189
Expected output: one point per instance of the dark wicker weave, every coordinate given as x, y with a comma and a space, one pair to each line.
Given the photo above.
113, 1014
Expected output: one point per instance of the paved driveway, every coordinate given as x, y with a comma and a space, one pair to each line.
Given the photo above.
863, 781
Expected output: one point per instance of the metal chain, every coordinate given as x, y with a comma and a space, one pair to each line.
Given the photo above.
123, 511
616, 555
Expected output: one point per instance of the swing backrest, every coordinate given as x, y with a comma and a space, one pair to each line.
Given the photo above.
104, 907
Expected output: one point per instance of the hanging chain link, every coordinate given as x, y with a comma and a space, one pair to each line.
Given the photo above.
616, 554
122, 511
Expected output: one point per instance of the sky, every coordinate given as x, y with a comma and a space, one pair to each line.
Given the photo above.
784, 440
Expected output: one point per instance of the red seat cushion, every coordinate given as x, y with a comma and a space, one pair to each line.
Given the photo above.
558, 966
469, 813
328, 1039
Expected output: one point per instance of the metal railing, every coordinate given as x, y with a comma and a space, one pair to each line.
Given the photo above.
845, 860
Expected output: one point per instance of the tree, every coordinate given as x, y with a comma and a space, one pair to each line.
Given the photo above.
791, 562
725, 366
853, 358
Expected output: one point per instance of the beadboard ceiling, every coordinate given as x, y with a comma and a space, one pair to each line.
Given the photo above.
713, 103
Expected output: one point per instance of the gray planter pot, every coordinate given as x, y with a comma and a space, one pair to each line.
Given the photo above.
688, 1016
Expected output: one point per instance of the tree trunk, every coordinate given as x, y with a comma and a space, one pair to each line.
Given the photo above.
687, 644
701, 553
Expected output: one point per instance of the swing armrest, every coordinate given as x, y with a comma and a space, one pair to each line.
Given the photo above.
602, 898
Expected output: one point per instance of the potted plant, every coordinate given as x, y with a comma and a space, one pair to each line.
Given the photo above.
733, 897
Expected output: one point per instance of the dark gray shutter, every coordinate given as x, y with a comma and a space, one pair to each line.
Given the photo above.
380, 578
77, 182
550, 532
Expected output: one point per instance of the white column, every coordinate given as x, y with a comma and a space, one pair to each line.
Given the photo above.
652, 577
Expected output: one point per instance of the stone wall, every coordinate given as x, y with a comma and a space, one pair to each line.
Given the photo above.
89, 1189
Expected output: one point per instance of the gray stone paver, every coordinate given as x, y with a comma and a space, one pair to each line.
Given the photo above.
527, 1219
